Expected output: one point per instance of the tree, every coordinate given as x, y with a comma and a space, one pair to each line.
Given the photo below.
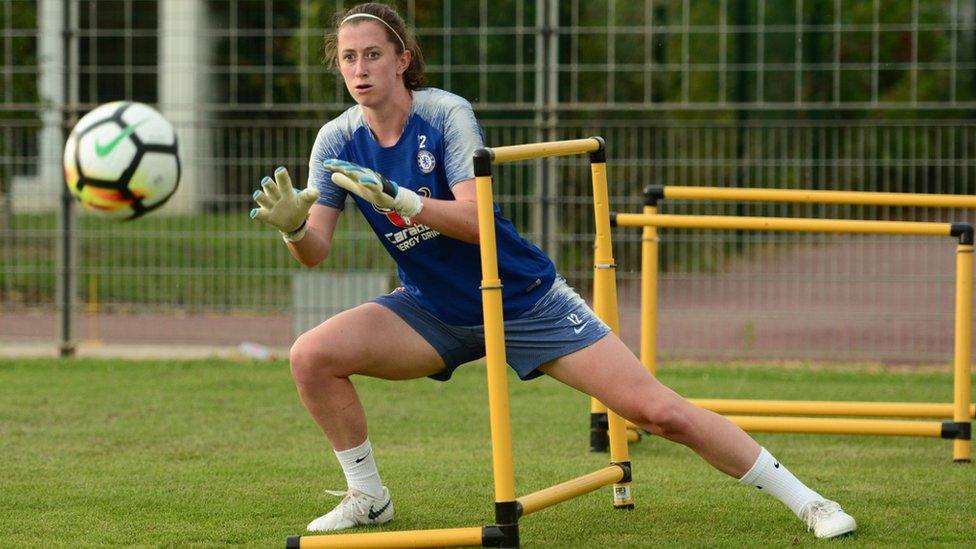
20, 85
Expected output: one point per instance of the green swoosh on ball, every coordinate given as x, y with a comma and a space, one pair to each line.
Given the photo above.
104, 150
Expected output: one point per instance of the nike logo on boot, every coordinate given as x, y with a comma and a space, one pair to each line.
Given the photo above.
374, 514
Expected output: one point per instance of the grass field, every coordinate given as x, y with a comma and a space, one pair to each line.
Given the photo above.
215, 453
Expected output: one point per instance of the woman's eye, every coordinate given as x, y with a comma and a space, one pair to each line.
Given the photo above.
348, 57
373, 54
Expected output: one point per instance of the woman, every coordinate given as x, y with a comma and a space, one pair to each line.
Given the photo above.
423, 210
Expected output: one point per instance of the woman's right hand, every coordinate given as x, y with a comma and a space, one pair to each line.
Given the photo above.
282, 207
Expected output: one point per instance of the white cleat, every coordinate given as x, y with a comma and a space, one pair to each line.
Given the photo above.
355, 509
827, 519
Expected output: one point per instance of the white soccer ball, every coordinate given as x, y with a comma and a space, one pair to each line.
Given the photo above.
121, 160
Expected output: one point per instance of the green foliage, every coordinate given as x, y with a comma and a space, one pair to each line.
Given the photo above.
210, 261
216, 453
18, 85
18, 53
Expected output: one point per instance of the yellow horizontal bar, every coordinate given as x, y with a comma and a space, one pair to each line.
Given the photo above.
890, 427
570, 489
447, 537
529, 151
784, 224
828, 408
821, 197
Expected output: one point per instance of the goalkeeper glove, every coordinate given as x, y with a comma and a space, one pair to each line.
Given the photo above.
375, 188
282, 207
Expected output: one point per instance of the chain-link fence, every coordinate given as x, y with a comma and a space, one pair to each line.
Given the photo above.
833, 94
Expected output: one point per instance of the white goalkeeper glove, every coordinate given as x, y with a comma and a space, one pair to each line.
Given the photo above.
375, 188
282, 207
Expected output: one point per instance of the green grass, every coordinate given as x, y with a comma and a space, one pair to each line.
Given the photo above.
213, 453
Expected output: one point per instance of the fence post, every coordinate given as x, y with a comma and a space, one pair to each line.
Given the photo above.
65, 228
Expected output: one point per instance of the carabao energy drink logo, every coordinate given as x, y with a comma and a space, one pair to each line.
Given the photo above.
394, 217
409, 234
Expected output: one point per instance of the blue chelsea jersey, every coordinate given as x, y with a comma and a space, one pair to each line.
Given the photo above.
434, 153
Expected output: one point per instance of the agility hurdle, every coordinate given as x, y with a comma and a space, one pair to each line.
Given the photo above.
508, 508
961, 409
857, 198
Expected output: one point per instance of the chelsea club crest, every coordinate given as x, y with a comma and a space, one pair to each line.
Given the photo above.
425, 159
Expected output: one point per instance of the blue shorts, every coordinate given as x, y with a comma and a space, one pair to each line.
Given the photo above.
558, 324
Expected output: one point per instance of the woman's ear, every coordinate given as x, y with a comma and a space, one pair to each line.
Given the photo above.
404, 62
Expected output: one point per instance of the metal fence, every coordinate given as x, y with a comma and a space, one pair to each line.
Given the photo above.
807, 94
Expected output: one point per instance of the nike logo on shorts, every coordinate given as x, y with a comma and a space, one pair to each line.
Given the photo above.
580, 329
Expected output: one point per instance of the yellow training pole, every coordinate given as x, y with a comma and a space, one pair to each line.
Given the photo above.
605, 306
821, 197
491, 295
648, 311
828, 408
962, 367
728, 222
547, 497
448, 537
839, 426
530, 151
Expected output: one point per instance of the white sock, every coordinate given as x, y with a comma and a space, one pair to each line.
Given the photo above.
769, 476
360, 469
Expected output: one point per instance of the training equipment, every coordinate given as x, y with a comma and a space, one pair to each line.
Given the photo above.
355, 509
381, 192
827, 519
960, 410
121, 160
509, 509
282, 207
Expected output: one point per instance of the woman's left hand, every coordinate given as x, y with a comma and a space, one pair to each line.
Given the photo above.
374, 187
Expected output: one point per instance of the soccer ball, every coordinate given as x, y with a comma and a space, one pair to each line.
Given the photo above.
121, 160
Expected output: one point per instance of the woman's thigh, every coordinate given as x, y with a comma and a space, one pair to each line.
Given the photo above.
369, 340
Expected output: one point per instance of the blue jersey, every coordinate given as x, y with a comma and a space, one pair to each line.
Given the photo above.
433, 154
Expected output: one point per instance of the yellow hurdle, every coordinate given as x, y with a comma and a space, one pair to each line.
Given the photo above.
504, 532
961, 410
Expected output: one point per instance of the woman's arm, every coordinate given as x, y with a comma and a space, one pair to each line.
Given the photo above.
456, 218
315, 246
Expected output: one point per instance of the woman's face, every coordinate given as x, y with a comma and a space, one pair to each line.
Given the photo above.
368, 61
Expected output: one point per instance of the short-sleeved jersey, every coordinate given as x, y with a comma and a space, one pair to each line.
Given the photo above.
433, 154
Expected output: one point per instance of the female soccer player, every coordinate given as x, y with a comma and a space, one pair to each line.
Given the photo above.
405, 154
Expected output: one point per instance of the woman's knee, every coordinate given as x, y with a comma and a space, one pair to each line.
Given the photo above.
666, 418
310, 361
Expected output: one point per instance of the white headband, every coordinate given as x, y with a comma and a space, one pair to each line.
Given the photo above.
371, 16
